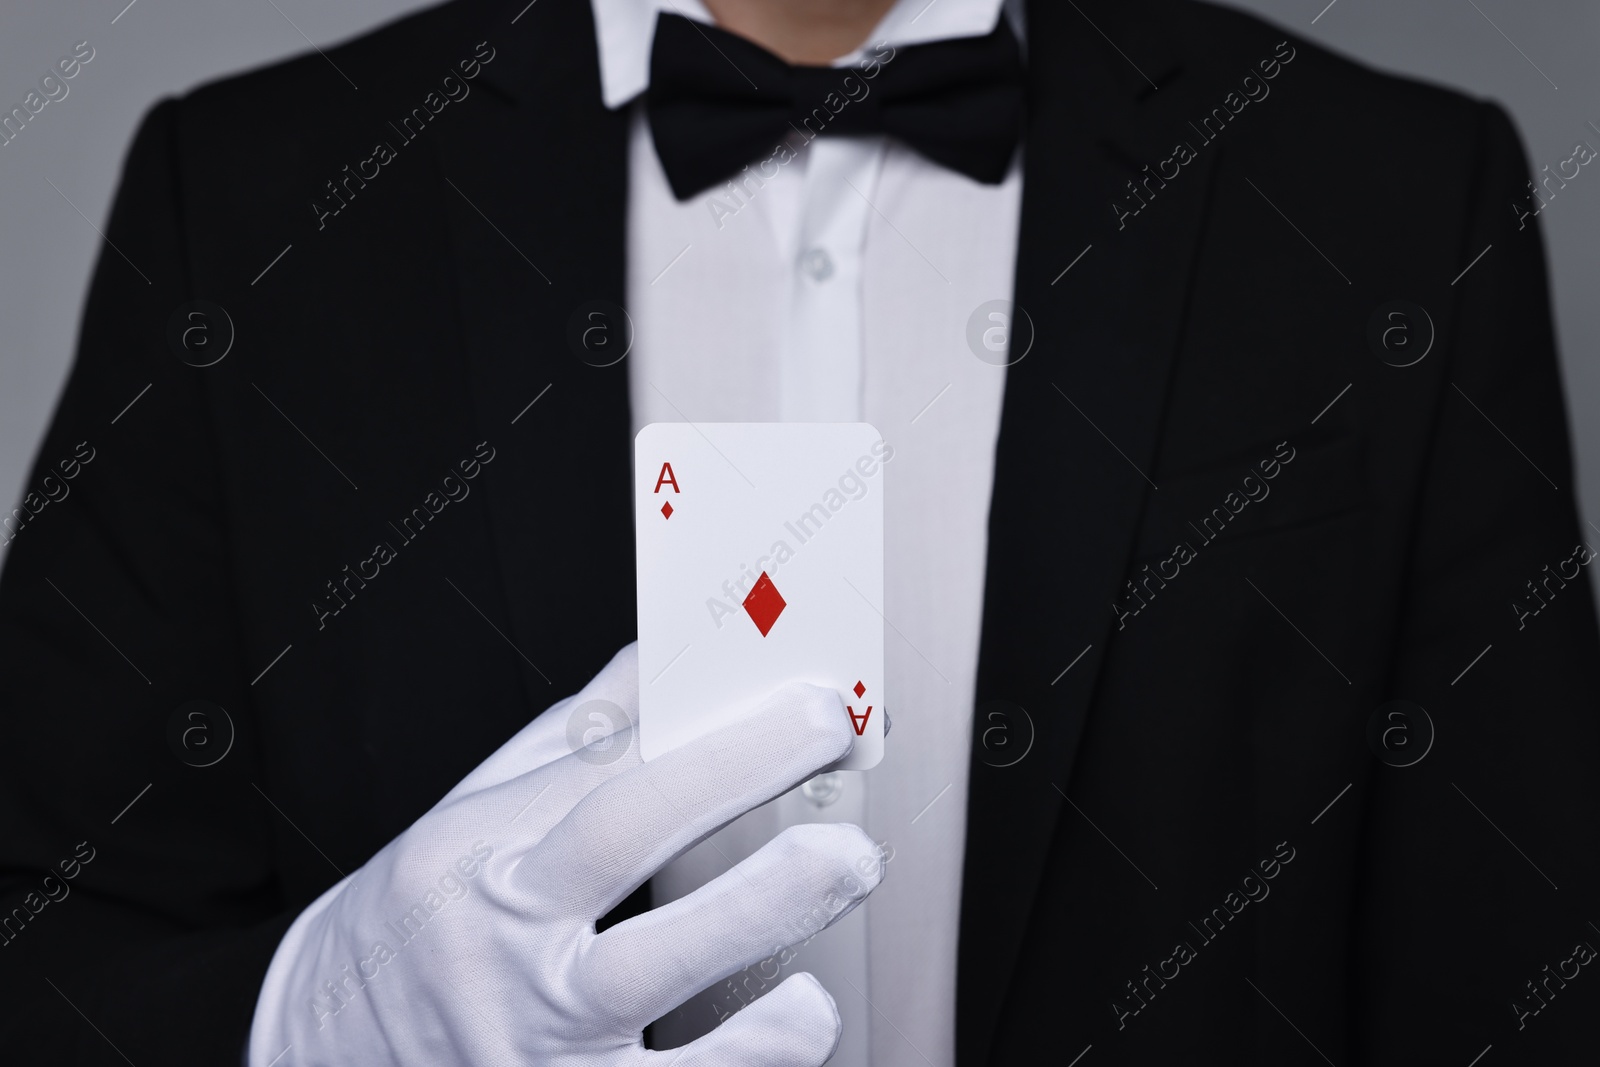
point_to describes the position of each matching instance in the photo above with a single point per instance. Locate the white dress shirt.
(841, 291)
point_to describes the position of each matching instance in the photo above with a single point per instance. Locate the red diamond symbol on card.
(764, 604)
(860, 689)
(666, 509)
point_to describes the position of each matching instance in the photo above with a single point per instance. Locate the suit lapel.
(534, 181)
(1078, 434)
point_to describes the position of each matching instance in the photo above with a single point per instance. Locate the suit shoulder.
(317, 73)
(299, 99)
(242, 143)
(1341, 96)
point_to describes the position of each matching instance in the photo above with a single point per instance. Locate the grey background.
(1538, 63)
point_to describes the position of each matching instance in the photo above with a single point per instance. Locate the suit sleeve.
(1481, 859)
(138, 904)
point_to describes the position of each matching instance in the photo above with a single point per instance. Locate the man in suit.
(1240, 602)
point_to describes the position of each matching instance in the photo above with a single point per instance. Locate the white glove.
(470, 938)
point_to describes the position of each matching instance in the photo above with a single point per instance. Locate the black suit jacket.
(1200, 858)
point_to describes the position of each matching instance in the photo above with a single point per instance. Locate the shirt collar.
(625, 30)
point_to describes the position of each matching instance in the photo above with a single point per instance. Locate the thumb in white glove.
(470, 938)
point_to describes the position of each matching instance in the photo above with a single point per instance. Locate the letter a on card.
(859, 721)
(666, 477)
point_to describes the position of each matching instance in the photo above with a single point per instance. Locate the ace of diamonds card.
(760, 562)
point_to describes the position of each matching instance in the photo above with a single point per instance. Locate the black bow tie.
(717, 102)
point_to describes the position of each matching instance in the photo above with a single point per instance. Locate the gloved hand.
(470, 940)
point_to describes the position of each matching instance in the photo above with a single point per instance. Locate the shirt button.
(817, 263)
(824, 789)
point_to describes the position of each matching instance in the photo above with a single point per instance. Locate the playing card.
(760, 562)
